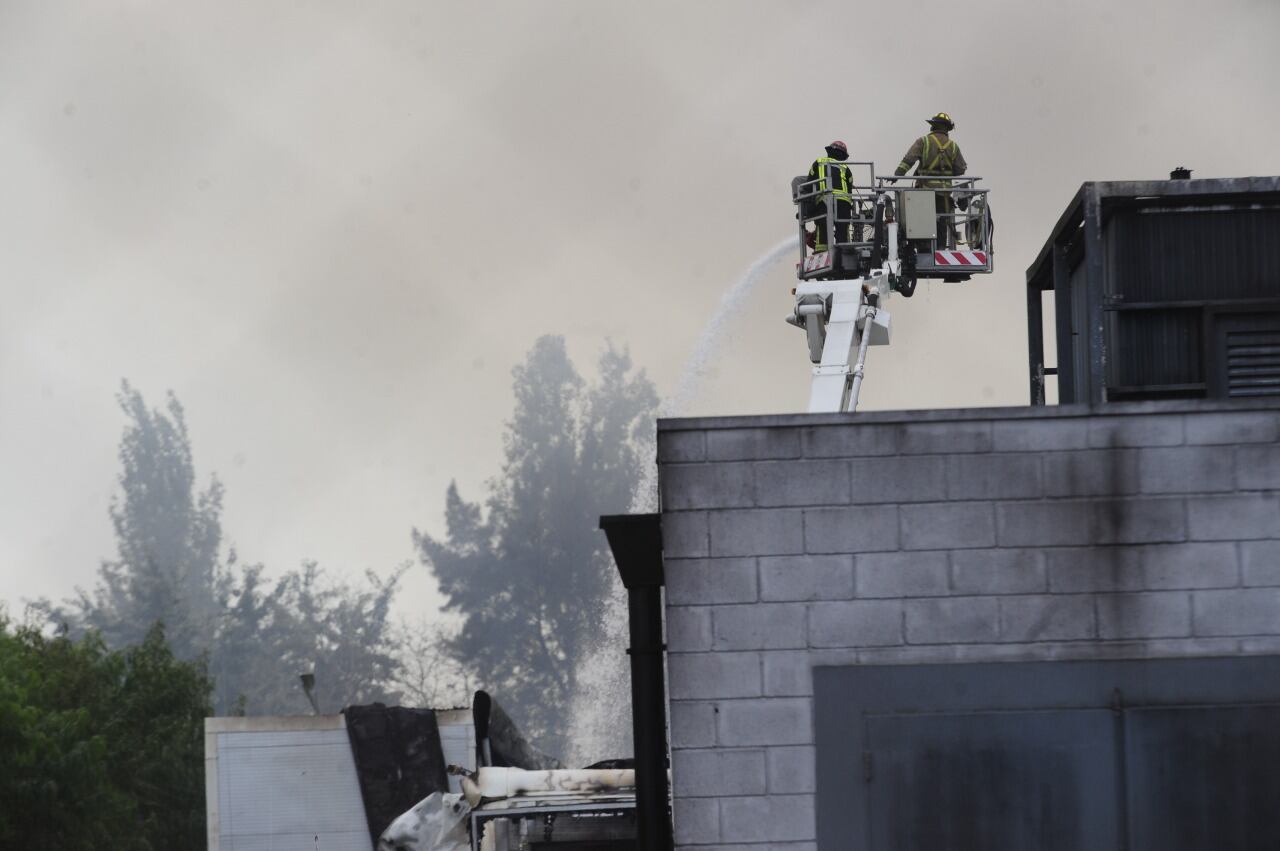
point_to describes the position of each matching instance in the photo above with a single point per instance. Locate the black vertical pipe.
(648, 699)
(636, 541)
(1035, 342)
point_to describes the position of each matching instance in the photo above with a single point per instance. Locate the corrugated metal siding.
(1193, 253)
(1153, 348)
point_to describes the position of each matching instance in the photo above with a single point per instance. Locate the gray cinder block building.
(1041, 627)
(810, 558)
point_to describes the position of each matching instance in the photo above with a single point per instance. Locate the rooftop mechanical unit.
(1165, 289)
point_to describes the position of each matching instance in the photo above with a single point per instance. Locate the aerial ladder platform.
(858, 248)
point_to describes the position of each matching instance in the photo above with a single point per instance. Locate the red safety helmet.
(838, 150)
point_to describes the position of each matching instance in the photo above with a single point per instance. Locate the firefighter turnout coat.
(937, 153)
(832, 174)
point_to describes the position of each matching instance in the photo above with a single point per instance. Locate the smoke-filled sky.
(332, 228)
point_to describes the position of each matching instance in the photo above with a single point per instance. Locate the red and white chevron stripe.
(820, 260)
(960, 258)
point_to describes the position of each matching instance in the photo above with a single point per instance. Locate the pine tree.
(168, 537)
(256, 636)
(528, 571)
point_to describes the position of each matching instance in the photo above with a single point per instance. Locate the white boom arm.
(842, 318)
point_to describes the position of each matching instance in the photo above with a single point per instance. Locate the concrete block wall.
(1122, 531)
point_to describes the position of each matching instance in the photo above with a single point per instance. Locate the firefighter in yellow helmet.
(937, 154)
(832, 175)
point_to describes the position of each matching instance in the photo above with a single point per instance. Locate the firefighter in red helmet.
(833, 176)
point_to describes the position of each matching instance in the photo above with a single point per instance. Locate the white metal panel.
(919, 213)
(458, 743)
(283, 790)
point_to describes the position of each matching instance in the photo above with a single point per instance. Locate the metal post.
(1064, 294)
(1035, 343)
(1095, 313)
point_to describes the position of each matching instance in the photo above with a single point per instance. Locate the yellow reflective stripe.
(932, 167)
(841, 170)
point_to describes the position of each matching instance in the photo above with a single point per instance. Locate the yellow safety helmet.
(942, 118)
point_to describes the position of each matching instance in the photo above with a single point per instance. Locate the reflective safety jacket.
(832, 174)
(937, 153)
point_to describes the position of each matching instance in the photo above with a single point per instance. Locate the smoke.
(601, 708)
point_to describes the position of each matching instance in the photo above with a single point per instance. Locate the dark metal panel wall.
(1042, 780)
(1145, 273)
(1156, 349)
(1200, 776)
(1198, 253)
(1140, 754)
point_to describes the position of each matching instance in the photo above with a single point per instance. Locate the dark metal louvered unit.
(1161, 289)
(1249, 363)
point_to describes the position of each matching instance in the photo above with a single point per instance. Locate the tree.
(168, 537)
(528, 572)
(100, 748)
(430, 675)
(305, 623)
(257, 636)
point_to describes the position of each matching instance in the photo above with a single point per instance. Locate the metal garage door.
(1154, 755)
(1203, 777)
(1039, 780)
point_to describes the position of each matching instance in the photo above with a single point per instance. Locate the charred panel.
(399, 759)
(1043, 780)
(1204, 777)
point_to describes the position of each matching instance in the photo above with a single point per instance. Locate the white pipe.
(489, 783)
(865, 340)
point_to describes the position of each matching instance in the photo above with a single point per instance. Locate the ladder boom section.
(851, 320)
